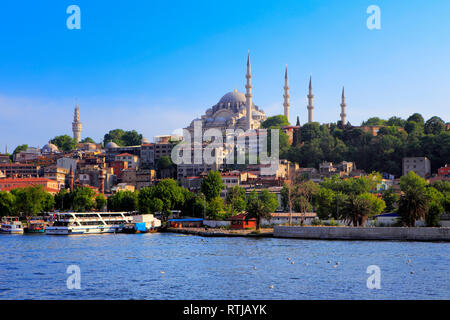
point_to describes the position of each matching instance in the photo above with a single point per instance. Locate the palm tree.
(412, 206)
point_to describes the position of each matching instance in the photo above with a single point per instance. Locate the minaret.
(343, 107)
(71, 179)
(6, 150)
(76, 125)
(310, 101)
(248, 95)
(286, 95)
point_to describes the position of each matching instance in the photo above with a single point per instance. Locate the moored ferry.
(11, 226)
(35, 226)
(67, 223)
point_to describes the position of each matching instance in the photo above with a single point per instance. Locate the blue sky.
(154, 66)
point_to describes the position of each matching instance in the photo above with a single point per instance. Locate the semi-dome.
(111, 145)
(234, 97)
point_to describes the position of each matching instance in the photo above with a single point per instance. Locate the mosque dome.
(111, 145)
(50, 148)
(234, 97)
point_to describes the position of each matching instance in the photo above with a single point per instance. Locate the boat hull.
(81, 230)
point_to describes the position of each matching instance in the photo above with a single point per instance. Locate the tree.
(396, 121)
(212, 185)
(414, 202)
(100, 202)
(88, 140)
(83, 199)
(374, 121)
(303, 197)
(64, 142)
(32, 200)
(22, 147)
(194, 205)
(436, 207)
(391, 199)
(275, 122)
(261, 206)
(167, 195)
(215, 209)
(434, 125)
(64, 200)
(7, 203)
(236, 199)
(123, 138)
(123, 201)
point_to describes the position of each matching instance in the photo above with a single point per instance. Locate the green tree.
(436, 207)
(32, 200)
(215, 209)
(414, 202)
(275, 122)
(260, 206)
(434, 125)
(236, 200)
(64, 142)
(374, 121)
(123, 201)
(123, 138)
(88, 140)
(391, 199)
(100, 202)
(194, 205)
(7, 204)
(83, 199)
(212, 185)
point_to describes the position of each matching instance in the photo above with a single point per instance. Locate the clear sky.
(154, 66)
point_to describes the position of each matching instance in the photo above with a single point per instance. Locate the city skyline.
(155, 76)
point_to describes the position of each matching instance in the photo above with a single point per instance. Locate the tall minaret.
(76, 125)
(286, 94)
(343, 106)
(310, 101)
(248, 94)
(6, 150)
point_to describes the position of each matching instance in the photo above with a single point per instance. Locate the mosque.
(236, 110)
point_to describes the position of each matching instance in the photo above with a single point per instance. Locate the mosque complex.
(233, 110)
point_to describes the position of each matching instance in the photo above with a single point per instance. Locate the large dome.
(234, 97)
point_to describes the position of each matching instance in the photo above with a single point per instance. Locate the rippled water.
(130, 267)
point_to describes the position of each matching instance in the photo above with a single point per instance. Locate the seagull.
(335, 266)
(271, 286)
(162, 272)
(292, 262)
(289, 258)
(411, 272)
(254, 268)
(409, 261)
(337, 263)
(329, 261)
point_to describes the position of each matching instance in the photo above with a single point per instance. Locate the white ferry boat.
(67, 223)
(11, 226)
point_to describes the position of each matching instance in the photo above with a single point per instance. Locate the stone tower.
(248, 95)
(343, 107)
(76, 125)
(286, 94)
(310, 101)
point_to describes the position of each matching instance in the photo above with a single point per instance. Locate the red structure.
(444, 171)
(239, 222)
(118, 167)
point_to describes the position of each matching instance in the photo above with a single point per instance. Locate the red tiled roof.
(124, 154)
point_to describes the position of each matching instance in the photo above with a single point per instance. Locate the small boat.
(142, 224)
(11, 226)
(35, 226)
